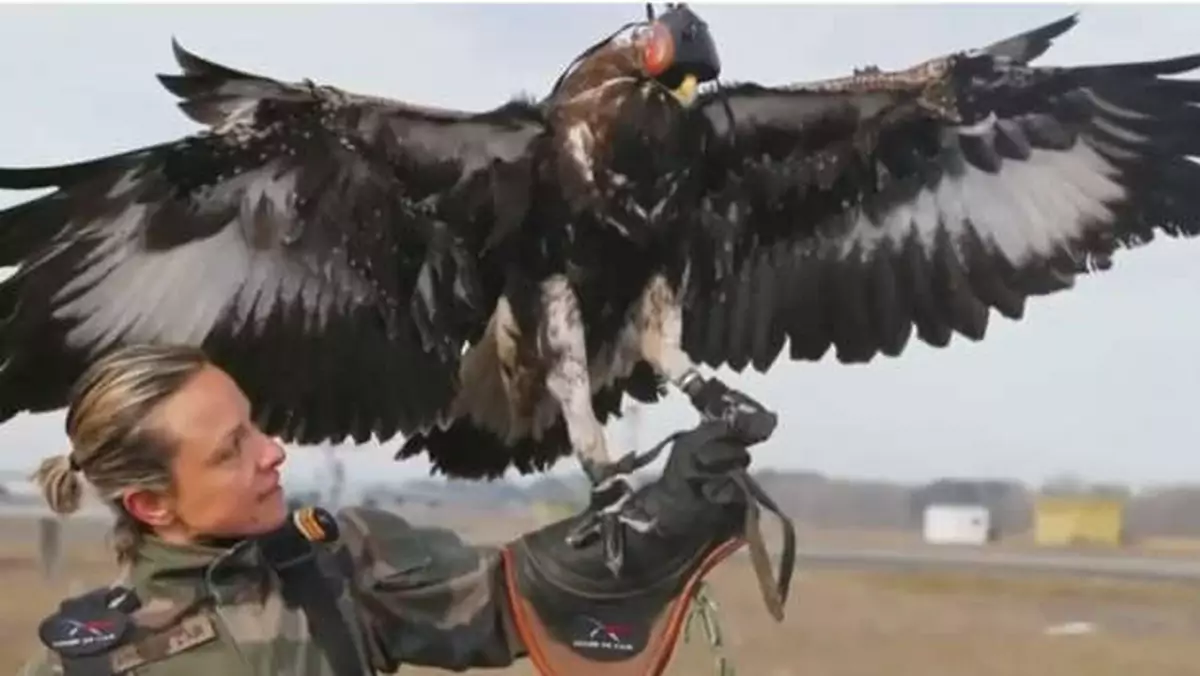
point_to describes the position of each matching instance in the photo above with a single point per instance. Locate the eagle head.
(674, 49)
(677, 50)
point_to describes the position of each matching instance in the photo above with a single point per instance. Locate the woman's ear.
(150, 507)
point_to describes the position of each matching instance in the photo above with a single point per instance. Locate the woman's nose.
(273, 452)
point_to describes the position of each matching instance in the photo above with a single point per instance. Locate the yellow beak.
(686, 91)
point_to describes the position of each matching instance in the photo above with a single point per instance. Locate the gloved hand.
(610, 586)
(714, 400)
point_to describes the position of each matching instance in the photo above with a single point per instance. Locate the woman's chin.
(274, 513)
(270, 515)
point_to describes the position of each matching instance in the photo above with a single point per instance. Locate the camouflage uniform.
(394, 594)
(420, 596)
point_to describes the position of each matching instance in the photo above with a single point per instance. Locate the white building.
(957, 524)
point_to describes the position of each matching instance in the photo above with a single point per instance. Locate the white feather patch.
(1027, 210)
(579, 144)
(122, 291)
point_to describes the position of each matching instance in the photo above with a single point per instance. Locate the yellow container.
(1073, 520)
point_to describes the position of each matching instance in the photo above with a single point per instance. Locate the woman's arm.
(616, 598)
(424, 596)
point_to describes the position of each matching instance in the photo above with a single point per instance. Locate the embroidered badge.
(189, 633)
(83, 631)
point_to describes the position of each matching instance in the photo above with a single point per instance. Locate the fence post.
(50, 546)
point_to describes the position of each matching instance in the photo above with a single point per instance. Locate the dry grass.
(840, 623)
(1181, 545)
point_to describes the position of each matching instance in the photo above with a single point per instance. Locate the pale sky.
(1096, 381)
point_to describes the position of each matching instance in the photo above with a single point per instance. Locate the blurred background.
(1025, 505)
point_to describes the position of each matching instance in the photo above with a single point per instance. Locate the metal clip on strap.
(705, 610)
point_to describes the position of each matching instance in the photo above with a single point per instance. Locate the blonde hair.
(112, 443)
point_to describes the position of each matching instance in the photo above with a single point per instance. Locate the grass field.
(840, 623)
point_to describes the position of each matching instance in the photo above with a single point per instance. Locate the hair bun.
(58, 478)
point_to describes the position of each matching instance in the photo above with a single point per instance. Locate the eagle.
(492, 286)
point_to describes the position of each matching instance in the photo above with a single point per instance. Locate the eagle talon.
(606, 518)
(607, 511)
(604, 475)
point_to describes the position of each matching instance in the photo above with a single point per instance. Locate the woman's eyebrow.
(226, 440)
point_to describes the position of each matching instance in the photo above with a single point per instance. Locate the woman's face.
(226, 471)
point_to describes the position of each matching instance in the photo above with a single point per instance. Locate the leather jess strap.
(774, 595)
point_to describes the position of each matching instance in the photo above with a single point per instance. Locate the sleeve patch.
(189, 633)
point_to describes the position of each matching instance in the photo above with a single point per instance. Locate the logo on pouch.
(610, 639)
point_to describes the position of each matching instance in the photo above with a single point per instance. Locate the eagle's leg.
(659, 325)
(568, 381)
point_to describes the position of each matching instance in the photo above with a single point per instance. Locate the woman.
(219, 578)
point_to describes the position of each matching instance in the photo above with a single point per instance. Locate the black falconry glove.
(606, 591)
(749, 420)
(715, 400)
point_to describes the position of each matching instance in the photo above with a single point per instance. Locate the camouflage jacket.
(416, 596)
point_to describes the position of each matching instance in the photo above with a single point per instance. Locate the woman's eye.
(233, 450)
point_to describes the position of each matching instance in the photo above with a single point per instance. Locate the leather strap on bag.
(616, 639)
(571, 625)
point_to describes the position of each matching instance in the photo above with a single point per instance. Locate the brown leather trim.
(544, 653)
(682, 601)
(517, 606)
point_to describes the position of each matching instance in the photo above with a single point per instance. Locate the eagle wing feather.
(849, 213)
(329, 249)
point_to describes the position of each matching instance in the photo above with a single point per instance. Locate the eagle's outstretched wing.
(845, 213)
(329, 249)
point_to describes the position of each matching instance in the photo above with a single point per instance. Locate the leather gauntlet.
(576, 615)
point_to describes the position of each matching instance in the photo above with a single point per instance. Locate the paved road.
(924, 558)
(1110, 565)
